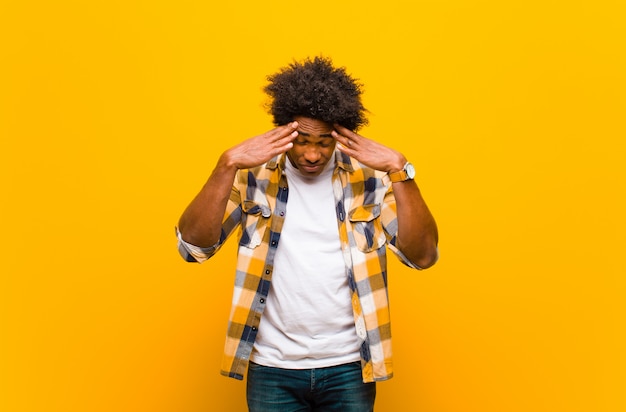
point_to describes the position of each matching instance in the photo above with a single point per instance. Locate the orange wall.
(113, 113)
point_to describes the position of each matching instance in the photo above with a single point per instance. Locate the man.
(316, 206)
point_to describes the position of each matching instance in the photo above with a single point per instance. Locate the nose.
(312, 154)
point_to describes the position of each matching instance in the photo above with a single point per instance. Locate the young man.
(317, 205)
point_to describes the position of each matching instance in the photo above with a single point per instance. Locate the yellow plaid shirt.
(367, 222)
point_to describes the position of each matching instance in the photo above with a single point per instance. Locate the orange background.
(112, 115)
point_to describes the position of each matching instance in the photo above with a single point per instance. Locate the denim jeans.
(336, 388)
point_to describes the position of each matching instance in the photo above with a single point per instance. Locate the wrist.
(398, 164)
(407, 172)
(226, 162)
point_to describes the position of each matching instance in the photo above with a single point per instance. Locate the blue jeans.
(337, 388)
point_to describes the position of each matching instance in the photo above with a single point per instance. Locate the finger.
(289, 128)
(344, 142)
(339, 127)
(344, 131)
(280, 132)
(274, 151)
(286, 141)
(286, 136)
(339, 137)
(352, 138)
(347, 150)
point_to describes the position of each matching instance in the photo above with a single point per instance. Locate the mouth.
(311, 168)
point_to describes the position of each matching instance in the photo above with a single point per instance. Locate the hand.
(259, 149)
(368, 152)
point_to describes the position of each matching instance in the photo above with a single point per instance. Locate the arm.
(417, 230)
(201, 222)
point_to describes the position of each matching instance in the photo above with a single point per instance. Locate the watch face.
(410, 171)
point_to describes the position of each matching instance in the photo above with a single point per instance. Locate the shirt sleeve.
(232, 219)
(193, 253)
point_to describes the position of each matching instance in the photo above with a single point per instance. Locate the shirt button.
(267, 271)
(282, 213)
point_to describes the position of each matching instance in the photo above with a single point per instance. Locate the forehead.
(313, 127)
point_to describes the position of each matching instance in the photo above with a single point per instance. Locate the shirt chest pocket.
(367, 229)
(254, 221)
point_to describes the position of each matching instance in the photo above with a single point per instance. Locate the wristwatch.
(407, 173)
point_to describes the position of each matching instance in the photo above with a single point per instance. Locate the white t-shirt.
(308, 320)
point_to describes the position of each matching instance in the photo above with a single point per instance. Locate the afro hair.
(315, 88)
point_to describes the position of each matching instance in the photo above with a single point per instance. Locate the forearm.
(417, 230)
(201, 222)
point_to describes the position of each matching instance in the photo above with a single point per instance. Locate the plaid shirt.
(366, 220)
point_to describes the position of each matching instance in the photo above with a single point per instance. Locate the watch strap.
(399, 176)
(406, 173)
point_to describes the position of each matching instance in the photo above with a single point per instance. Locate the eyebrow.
(321, 135)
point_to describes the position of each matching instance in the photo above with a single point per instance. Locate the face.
(314, 146)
